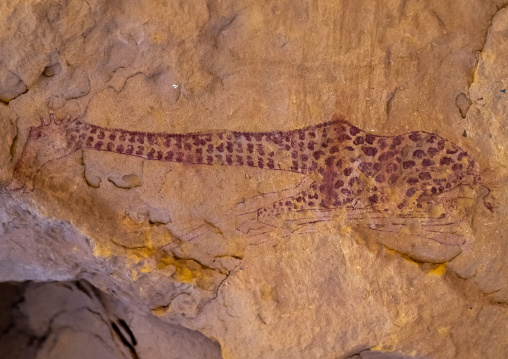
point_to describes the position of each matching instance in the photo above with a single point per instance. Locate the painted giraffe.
(366, 174)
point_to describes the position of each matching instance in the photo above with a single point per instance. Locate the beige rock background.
(114, 222)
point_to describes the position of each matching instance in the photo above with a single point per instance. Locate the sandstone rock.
(176, 251)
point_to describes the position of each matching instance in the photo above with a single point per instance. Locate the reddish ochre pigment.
(351, 168)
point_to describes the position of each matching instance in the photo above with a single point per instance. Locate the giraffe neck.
(289, 151)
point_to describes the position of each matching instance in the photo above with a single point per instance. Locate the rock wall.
(179, 248)
(76, 320)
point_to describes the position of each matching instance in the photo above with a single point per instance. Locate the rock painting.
(380, 182)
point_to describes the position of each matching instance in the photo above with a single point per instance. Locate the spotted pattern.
(355, 168)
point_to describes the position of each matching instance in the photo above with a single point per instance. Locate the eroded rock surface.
(165, 241)
(76, 320)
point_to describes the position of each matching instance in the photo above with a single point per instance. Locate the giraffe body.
(352, 165)
(350, 168)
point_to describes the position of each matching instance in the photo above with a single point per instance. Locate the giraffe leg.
(252, 204)
(287, 215)
(244, 215)
(444, 230)
(260, 228)
(421, 234)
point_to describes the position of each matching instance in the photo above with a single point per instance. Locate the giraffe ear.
(43, 121)
(52, 118)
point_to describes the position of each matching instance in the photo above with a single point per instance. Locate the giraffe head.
(468, 174)
(47, 142)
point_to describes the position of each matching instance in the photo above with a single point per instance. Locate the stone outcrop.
(76, 320)
(158, 259)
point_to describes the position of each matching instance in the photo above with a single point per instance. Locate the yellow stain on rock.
(134, 254)
(160, 311)
(383, 347)
(185, 275)
(438, 269)
(183, 270)
(100, 250)
(150, 240)
(146, 268)
(345, 230)
(226, 352)
(186, 271)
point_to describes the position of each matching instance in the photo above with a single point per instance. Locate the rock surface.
(119, 225)
(76, 320)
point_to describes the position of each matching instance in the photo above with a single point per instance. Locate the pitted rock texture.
(180, 245)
